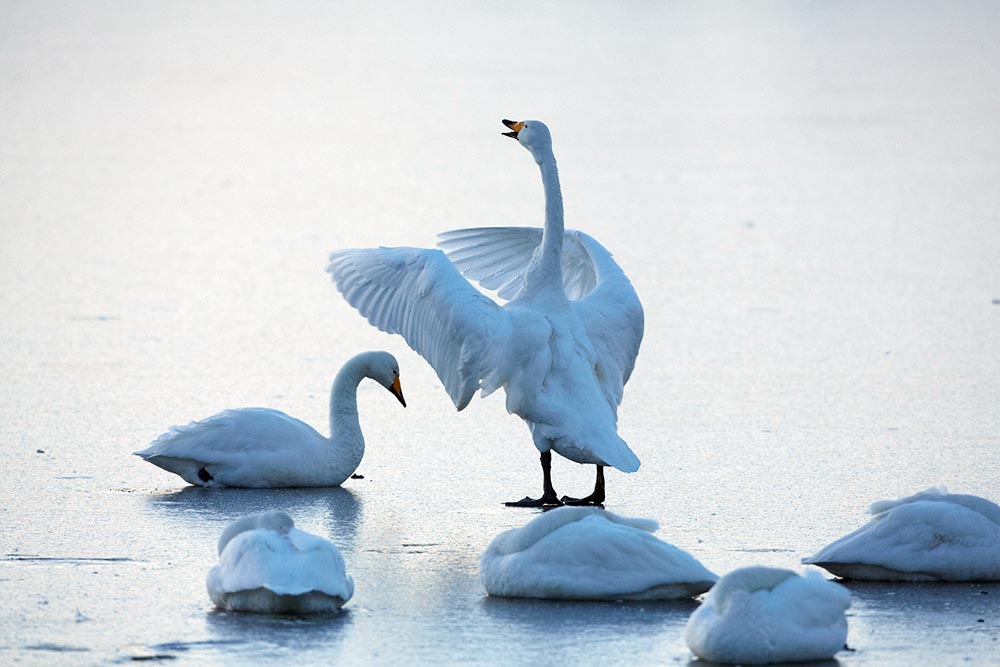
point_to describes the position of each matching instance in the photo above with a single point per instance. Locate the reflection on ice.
(230, 626)
(913, 599)
(314, 630)
(338, 509)
(273, 637)
(832, 662)
(547, 616)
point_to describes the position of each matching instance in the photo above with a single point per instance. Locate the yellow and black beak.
(516, 126)
(397, 391)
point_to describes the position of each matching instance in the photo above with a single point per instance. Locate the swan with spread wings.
(563, 346)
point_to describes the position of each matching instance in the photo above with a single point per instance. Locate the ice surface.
(804, 195)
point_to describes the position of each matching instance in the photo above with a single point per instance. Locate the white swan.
(563, 347)
(757, 615)
(264, 448)
(585, 553)
(267, 566)
(929, 536)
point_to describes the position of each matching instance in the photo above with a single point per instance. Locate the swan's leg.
(549, 497)
(596, 498)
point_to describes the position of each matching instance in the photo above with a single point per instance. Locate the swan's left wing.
(421, 296)
(613, 317)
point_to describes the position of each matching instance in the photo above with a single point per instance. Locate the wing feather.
(495, 257)
(498, 258)
(613, 317)
(421, 296)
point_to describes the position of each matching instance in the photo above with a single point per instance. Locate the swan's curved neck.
(345, 429)
(545, 273)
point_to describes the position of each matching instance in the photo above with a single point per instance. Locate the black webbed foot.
(545, 501)
(595, 499)
(549, 497)
(592, 500)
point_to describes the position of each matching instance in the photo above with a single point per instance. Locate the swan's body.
(584, 553)
(929, 536)
(563, 347)
(264, 448)
(757, 615)
(267, 566)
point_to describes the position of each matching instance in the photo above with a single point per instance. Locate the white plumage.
(929, 536)
(563, 347)
(757, 615)
(268, 566)
(498, 258)
(262, 448)
(584, 553)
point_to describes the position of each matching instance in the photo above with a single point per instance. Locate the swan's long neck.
(545, 273)
(345, 430)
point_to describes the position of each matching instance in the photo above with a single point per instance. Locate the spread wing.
(498, 257)
(613, 316)
(421, 296)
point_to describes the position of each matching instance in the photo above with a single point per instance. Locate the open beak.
(515, 126)
(397, 391)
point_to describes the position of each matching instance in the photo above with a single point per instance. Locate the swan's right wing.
(495, 257)
(421, 296)
(498, 258)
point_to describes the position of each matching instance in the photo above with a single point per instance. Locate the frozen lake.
(806, 196)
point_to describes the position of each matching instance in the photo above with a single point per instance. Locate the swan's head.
(384, 369)
(533, 135)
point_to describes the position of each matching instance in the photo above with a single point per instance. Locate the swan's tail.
(191, 471)
(609, 450)
(622, 457)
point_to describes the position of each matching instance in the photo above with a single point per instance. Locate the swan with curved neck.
(544, 274)
(265, 448)
(563, 346)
